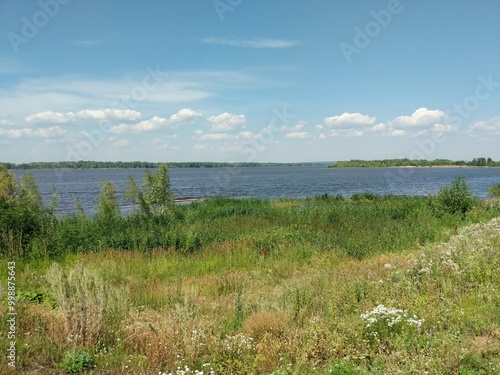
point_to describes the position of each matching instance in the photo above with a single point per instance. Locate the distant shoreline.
(416, 163)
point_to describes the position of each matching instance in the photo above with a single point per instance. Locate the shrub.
(494, 190)
(92, 308)
(456, 198)
(77, 360)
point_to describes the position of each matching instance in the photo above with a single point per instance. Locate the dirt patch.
(488, 342)
(492, 201)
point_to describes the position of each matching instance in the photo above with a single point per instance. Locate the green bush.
(494, 190)
(456, 198)
(77, 360)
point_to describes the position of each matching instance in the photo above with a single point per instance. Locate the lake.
(262, 182)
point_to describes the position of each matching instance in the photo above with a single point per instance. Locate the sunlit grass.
(279, 287)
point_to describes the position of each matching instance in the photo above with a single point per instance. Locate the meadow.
(324, 285)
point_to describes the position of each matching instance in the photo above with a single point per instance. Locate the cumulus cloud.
(162, 144)
(226, 122)
(185, 115)
(53, 131)
(154, 123)
(298, 135)
(349, 119)
(109, 114)
(489, 127)
(295, 128)
(86, 114)
(214, 136)
(421, 116)
(346, 133)
(51, 117)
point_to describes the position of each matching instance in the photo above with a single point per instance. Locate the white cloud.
(53, 131)
(252, 43)
(227, 122)
(118, 129)
(421, 116)
(154, 123)
(6, 123)
(246, 135)
(396, 133)
(185, 115)
(215, 137)
(388, 130)
(162, 144)
(346, 133)
(109, 114)
(421, 133)
(443, 128)
(298, 135)
(349, 119)
(322, 136)
(381, 127)
(86, 114)
(319, 127)
(295, 128)
(51, 117)
(489, 127)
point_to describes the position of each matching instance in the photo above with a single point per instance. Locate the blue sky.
(241, 80)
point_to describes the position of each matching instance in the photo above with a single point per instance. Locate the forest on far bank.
(89, 164)
(386, 163)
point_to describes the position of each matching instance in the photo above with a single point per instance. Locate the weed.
(77, 360)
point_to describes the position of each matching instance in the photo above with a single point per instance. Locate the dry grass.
(88, 304)
(269, 323)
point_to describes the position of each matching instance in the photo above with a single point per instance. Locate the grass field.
(326, 285)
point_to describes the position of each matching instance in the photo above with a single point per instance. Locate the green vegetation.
(324, 285)
(387, 163)
(141, 164)
(77, 360)
(494, 190)
(456, 198)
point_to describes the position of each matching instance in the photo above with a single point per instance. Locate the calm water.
(263, 182)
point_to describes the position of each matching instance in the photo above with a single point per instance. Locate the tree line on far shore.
(354, 163)
(88, 164)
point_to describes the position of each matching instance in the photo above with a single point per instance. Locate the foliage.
(300, 307)
(77, 360)
(456, 198)
(155, 195)
(156, 190)
(387, 163)
(494, 190)
(8, 184)
(89, 164)
(108, 203)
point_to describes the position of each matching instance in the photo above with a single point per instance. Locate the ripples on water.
(263, 182)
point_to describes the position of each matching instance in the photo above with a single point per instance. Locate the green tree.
(108, 203)
(157, 192)
(28, 192)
